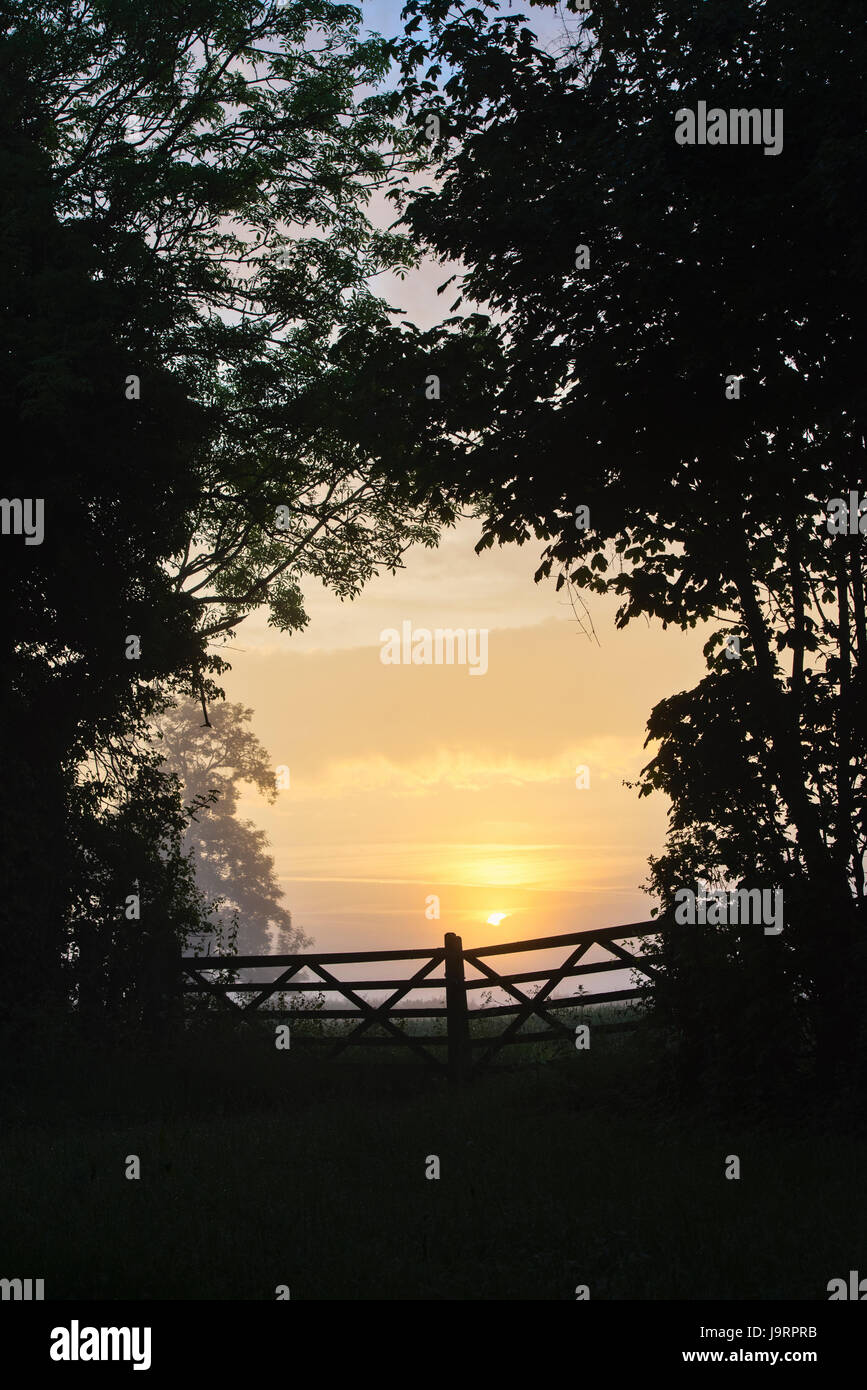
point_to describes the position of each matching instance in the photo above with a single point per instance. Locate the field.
(559, 1168)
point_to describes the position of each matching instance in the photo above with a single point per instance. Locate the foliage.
(185, 237)
(704, 263)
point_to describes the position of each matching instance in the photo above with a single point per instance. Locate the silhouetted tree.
(706, 502)
(184, 235)
(137, 905)
(116, 490)
(218, 159)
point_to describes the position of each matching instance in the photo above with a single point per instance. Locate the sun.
(496, 918)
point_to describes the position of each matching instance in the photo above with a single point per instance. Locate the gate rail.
(453, 957)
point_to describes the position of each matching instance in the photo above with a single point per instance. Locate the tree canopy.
(681, 340)
(187, 239)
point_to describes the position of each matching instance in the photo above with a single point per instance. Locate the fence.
(453, 957)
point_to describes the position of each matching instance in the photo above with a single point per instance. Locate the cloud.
(461, 769)
(426, 775)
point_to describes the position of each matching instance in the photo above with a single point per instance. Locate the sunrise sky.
(412, 780)
(419, 780)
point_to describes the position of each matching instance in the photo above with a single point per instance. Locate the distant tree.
(232, 867)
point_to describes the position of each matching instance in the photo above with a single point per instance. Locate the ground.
(262, 1168)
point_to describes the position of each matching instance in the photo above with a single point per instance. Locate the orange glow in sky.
(413, 782)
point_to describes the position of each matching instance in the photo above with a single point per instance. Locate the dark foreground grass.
(262, 1168)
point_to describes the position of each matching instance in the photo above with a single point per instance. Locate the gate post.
(456, 1006)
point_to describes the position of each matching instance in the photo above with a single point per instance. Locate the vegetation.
(610, 388)
(211, 402)
(185, 241)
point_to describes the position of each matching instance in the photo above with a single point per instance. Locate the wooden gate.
(465, 1053)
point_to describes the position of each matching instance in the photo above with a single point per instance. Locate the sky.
(414, 782)
(407, 781)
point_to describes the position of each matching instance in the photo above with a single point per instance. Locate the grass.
(262, 1168)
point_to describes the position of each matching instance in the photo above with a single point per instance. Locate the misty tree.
(233, 868)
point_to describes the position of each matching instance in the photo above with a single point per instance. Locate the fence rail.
(453, 957)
